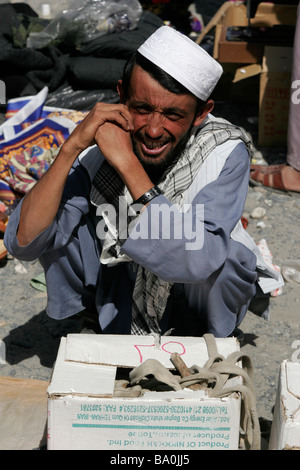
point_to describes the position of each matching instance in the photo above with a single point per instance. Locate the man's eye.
(142, 110)
(173, 116)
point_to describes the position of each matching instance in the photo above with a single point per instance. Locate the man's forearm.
(41, 204)
(135, 177)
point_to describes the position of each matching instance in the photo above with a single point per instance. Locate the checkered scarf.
(150, 294)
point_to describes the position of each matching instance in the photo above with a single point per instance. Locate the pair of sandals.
(269, 177)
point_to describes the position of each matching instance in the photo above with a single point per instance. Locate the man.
(137, 220)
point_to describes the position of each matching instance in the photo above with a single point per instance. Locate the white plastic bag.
(291, 270)
(87, 20)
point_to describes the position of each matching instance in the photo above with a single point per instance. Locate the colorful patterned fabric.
(6, 194)
(21, 113)
(45, 133)
(16, 104)
(27, 167)
(30, 138)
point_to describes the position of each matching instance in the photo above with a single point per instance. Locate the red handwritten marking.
(174, 342)
(137, 346)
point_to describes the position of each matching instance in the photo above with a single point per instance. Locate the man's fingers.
(84, 134)
(113, 113)
(123, 119)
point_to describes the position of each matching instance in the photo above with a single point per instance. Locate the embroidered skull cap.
(183, 59)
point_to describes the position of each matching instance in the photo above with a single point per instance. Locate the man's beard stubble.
(157, 170)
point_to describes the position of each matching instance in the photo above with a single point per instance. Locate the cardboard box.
(84, 414)
(271, 64)
(267, 14)
(285, 431)
(23, 413)
(240, 52)
(274, 96)
(235, 14)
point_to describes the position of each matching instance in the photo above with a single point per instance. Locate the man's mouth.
(151, 147)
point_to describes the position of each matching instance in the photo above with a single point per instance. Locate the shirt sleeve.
(191, 246)
(73, 205)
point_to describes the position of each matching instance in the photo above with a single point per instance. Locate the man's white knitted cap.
(183, 59)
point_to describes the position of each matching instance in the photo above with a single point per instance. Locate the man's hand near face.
(107, 125)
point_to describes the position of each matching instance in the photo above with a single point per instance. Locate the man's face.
(162, 120)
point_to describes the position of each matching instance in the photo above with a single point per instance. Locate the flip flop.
(3, 250)
(271, 179)
(3, 217)
(2, 226)
(266, 168)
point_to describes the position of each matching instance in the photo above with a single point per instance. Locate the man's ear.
(120, 91)
(208, 107)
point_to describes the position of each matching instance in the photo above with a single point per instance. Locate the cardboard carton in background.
(274, 93)
(274, 99)
(256, 63)
(235, 14)
(285, 432)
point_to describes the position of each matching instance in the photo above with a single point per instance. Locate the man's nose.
(154, 127)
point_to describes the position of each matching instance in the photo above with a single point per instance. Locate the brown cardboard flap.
(267, 14)
(246, 72)
(23, 413)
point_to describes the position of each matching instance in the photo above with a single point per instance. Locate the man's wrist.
(135, 177)
(69, 151)
(148, 195)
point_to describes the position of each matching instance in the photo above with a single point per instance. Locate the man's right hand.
(83, 135)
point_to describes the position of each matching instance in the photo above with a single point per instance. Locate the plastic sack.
(80, 100)
(291, 270)
(87, 20)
